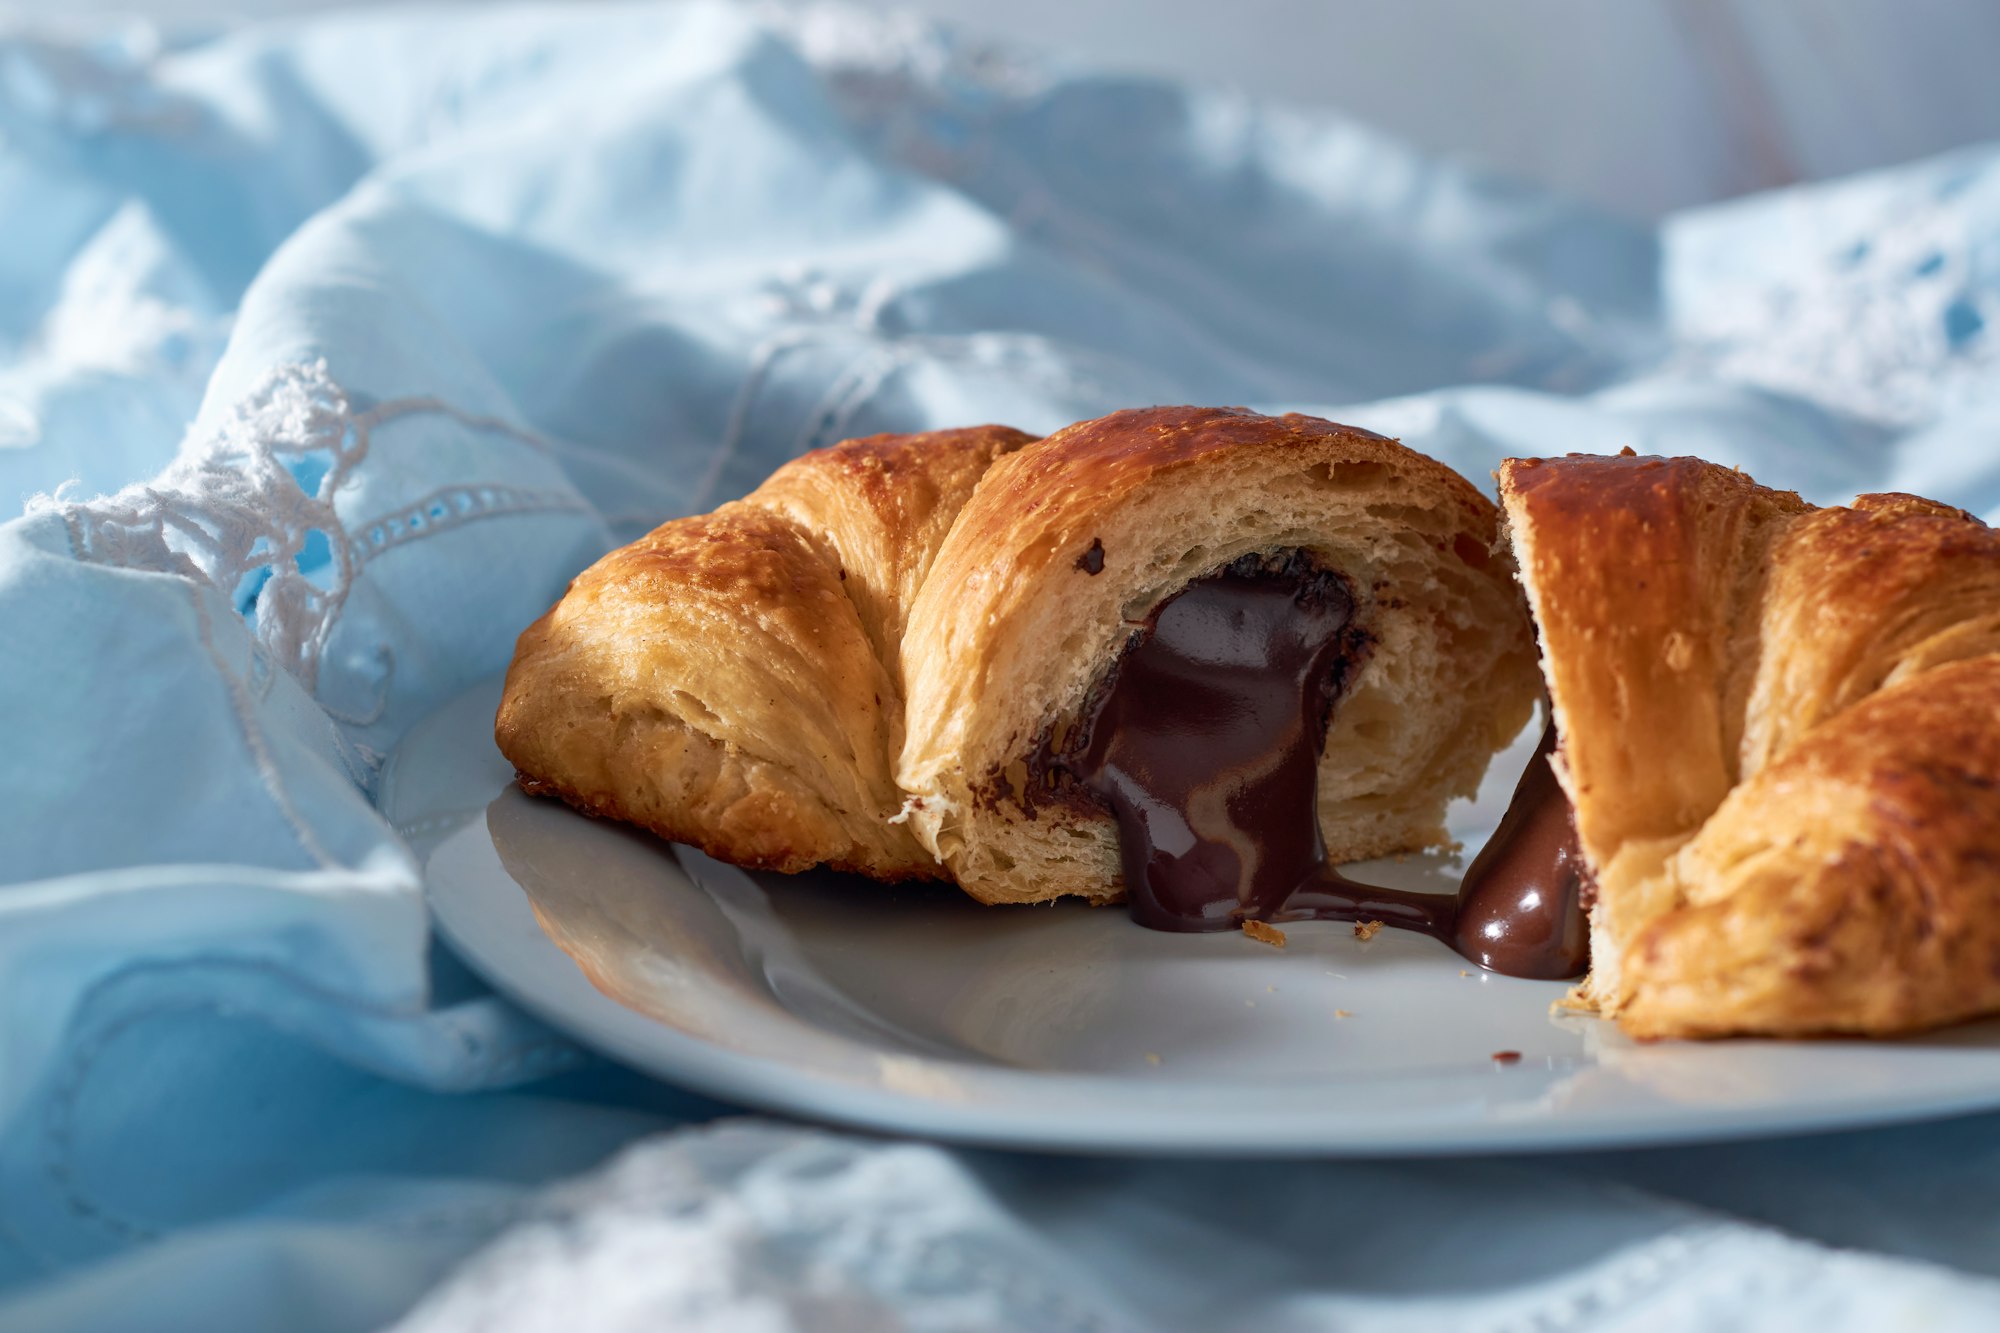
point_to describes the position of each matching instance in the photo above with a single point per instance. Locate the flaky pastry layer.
(1780, 729)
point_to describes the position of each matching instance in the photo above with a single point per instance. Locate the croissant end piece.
(1780, 730)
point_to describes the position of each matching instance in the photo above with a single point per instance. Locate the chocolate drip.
(1204, 741)
(1521, 907)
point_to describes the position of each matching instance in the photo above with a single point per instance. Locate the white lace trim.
(245, 503)
(231, 506)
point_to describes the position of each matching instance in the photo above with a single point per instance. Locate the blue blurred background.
(1641, 106)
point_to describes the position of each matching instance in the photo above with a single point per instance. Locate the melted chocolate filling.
(1204, 741)
(1521, 909)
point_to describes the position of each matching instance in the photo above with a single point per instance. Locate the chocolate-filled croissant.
(1780, 730)
(890, 657)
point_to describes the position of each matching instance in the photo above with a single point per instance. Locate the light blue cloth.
(457, 299)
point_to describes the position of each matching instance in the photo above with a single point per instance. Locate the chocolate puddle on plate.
(1204, 740)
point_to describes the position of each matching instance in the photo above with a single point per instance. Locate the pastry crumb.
(1264, 933)
(1342, 1013)
(1152, 1057)
(1463, 973)
(1365, 930)
(1573, 1001)
(1506, 1057)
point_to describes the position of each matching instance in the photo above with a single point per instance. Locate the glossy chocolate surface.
(1521, 908)
(1204, 741)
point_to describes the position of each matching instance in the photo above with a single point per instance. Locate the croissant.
(1779, 729)
(896, 656)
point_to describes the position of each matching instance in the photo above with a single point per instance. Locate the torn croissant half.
(865, 663)
(1779, 727)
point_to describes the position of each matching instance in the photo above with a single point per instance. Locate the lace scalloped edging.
(249, 509)
(237, 504)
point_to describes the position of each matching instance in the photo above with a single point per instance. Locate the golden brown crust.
(1709, 645)
(1851, 886)
(882, 505)
(1865, 596)
(1635, 570)
(723, 680)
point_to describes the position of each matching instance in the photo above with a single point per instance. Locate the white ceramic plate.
(918, 1011)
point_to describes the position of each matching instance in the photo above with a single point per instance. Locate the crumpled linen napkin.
(457, 299)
